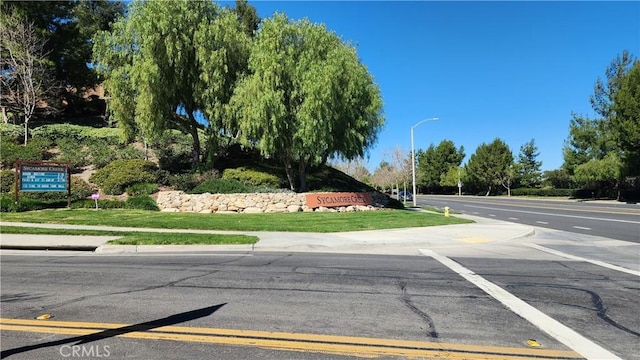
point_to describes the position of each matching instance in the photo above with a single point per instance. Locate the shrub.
(7, 181)
(7, 204)
(138, 203)
(55, 132)
(73, 152)
(142, 189)
(11, 133)
(102, 204)
(129, 152)
(208, 175)
(100, 153)
(119, 174)
(188, 181)
(112, 136)
(174, 151)
(141, 203)
(395, 204)
(221, 186)
(630, 194)
(183, 182)
(80, 189)
(35, 150)
(541, 192)
(252, 177)
(597, 193)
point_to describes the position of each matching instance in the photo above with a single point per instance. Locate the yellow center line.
(340, 345)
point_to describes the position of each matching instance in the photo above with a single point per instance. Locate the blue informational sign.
(43, 178)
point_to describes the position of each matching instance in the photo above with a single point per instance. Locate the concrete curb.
(50, 247)
(134, 249)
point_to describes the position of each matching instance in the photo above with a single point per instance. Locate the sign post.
(41, 176)
(95, 198)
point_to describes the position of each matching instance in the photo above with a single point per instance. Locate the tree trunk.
(488, 191)
(288, 169)
(26, 129)
(303, 176)
(193, 129)
(195, 159)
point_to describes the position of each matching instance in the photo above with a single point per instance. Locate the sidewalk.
(392, 241)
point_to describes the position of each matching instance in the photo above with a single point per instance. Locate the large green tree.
(588, 139)
(530, 175)
(436, 161)
(625, 122)
(248, 16)
(67, 28)
(452, 179)
(558, 179)
(616, 130)
(173, 64)
(307, 98)
(490, 166)
(598, 173)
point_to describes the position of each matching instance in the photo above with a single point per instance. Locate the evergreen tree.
(530, 175)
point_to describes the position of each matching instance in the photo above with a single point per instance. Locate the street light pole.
(413, 157)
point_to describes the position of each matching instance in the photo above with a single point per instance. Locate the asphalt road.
(611, 220)
(313, 306)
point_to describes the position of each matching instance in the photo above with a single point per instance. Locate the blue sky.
(513, 70)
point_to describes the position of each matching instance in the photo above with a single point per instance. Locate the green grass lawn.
(142, 238)
(299, 222)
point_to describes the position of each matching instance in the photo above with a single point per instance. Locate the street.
(314, 306)
(611, 220)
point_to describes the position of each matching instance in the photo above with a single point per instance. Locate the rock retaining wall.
(254, 203)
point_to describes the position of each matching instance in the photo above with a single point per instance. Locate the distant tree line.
(601, 155)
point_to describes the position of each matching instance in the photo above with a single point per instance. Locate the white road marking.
(542, 222)
(474, 213)
(595, 262)
(581, 228)
(492, 215)
(556, 329)
(512, 218)
(551, 214)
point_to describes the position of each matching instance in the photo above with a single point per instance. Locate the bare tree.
(354, 168)
(384, 176)
(23, 69)
(402, 165)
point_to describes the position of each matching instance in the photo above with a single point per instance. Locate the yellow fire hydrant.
(446, 211)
